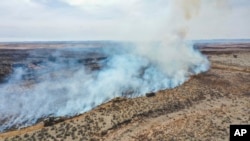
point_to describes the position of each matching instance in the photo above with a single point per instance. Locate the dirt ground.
(202, 108)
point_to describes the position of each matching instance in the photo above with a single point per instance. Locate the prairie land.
(202, 108)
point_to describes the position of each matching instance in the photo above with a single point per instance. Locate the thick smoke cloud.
(66, 88)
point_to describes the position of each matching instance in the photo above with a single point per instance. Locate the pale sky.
(42, 20)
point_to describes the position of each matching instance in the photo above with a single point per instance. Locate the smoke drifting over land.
(66, 87)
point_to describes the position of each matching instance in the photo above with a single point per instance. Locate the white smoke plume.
(66, 88)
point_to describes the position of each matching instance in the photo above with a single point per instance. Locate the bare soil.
(202, 108)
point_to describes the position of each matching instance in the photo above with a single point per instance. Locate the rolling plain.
(202, 108)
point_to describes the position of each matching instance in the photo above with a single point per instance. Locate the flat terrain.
(200, 109)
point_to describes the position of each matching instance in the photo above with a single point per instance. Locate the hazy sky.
(25, 20)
